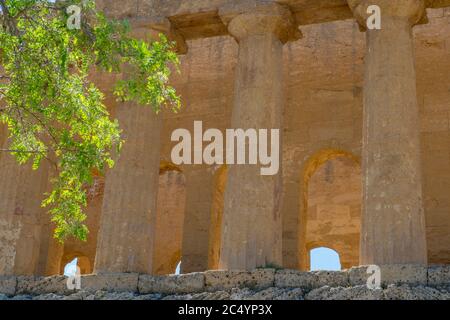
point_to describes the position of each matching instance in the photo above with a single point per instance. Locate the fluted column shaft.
(23, 222)
(393, 222)
(126, 234)
(252, 230)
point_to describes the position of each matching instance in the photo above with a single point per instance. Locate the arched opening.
(169, 219)
(70, 268)
(332, 199)
(73, 247)
(70, 264)
(324, 259)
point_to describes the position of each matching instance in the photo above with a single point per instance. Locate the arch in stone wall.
(331, 206)
(83, 262)
(72, 247)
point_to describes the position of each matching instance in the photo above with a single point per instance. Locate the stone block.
(171, 284)
(331, 279)
(391, 274)
(8, 285)
(35, 285)
(123, 282)
(294, 279)
(226, 280)
(117, 282)
(311, 280)
(339, 293)
(439, 275)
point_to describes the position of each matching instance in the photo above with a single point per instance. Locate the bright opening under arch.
(331, 211)
(324, 259)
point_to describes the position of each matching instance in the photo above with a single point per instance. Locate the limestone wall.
(322, 121)
(324, 73)
(397, 282)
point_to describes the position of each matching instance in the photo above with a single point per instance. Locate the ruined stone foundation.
(398, 282)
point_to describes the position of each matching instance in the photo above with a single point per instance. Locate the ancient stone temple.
(364, 117)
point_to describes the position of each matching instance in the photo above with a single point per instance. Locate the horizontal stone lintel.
(195, 19)
(209, 281)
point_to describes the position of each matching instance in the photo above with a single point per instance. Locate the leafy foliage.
(51, 108)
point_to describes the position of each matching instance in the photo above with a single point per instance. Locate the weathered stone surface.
(404, 274)
(393, 292)
(391, 274)
(339, 293)
(124, 282)
(252, 234)
(8, 285)
(267, 294)
(331, 278)
(324, 110)
(414, 293)
(225, 280)
(127, 228)
(121, 282)
(218, 295)
(42, 285)
(393, 219)
(311, 280)
(171, 284)
(439, 275)
(197, 219)
(294, 279)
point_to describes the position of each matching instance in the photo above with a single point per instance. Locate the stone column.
(393, 222)
(252, 230)
(22, 218)
(125, 238)
(199, 192)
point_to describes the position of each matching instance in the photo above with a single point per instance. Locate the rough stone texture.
(111, 282)
(323, 114)
(252, 234)
(339, 293)
(393, 292)
(415, 293)
(310, 280)
(126, 234)
(267, 294)
(8, 285)
(294, 278)
(218, 285)
(333, 198)
(215, 228)
(24, 224)
(169, 219)
(199, 181)
(42, 285)
(198, 18)
(192, 282)
(225, 280)
(325, 293)
(393, 220)
(439, 275)
(391, 274)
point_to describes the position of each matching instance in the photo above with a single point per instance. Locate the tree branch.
(8, 19)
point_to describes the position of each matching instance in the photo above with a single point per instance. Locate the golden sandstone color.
(364, 117)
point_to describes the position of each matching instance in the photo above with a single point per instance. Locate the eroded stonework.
(356, 177)
(263, 284)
